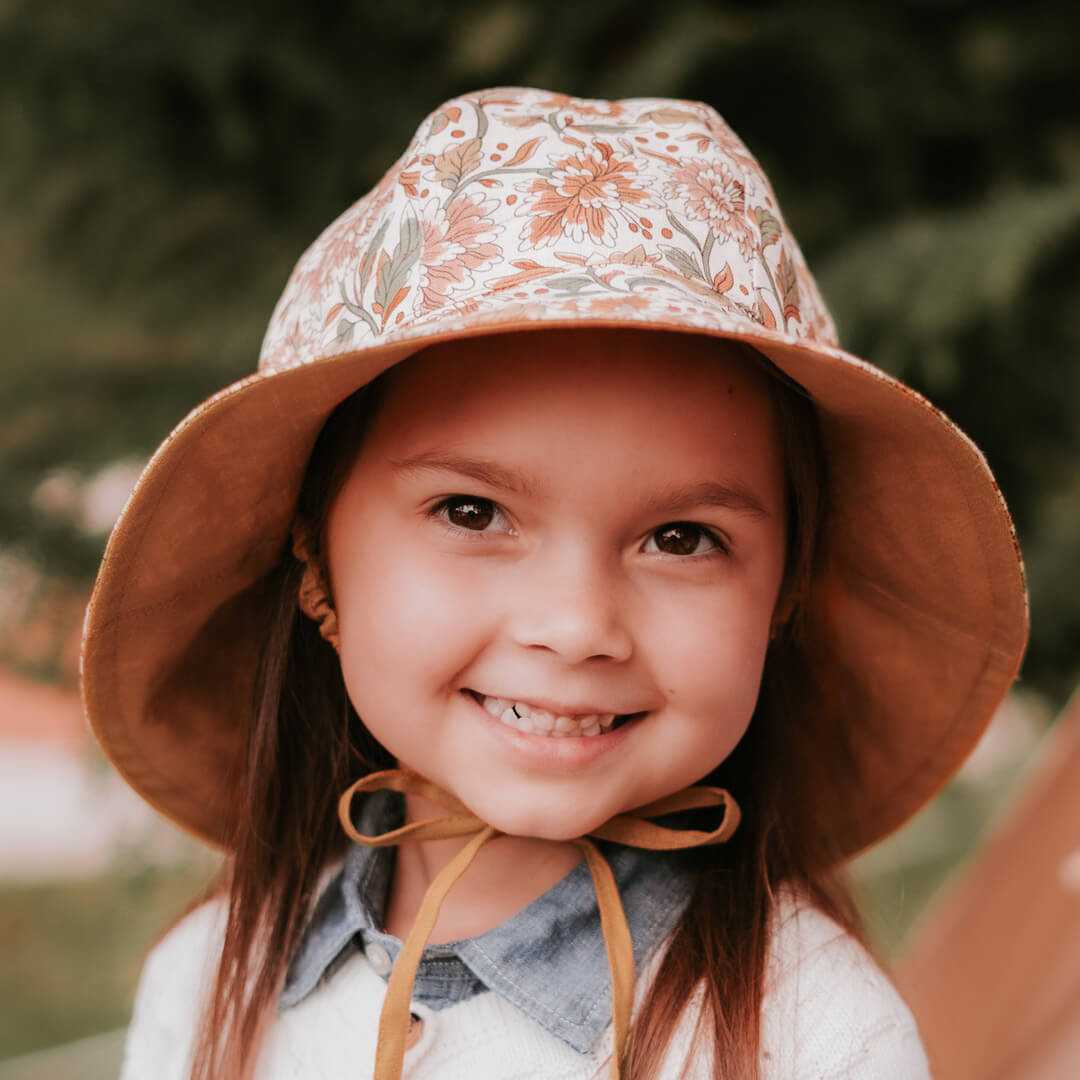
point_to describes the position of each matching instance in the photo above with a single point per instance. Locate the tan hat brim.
(924, 590)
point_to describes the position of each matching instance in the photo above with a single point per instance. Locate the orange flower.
(581, 106)
(713, 195)
(580, 200)
(457, 240)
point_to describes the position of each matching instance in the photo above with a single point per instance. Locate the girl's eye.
(683, 538)
(472, 513)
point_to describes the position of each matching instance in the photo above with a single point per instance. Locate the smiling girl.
(541, 629)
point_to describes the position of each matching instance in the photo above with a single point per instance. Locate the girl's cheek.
(394, 601)
(712, 644)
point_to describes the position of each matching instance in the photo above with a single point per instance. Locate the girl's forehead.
(548, 373)
(573, 410)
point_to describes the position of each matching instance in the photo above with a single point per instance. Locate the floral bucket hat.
(521, 210)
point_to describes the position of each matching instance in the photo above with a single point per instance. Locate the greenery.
(97, 1057)
(73, 950)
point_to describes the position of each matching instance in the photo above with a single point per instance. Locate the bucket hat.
(522, 210)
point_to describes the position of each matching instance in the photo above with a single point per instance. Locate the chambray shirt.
(549, 960)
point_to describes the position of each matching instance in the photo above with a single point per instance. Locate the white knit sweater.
(829, 1014)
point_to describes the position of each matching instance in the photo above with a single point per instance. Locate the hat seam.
(907, 605)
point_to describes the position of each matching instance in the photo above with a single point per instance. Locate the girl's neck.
(508, 873)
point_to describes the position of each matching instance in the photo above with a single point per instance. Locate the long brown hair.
(777, 774)
(306, 744)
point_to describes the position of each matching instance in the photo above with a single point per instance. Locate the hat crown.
(517, 204)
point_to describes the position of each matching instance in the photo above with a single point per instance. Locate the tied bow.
(632, 829)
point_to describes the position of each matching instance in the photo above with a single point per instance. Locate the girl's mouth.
(533, 720)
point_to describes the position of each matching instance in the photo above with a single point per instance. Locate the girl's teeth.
(543, 721)
(512, 719)
(523, 717)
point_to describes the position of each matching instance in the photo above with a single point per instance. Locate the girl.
(556, 588)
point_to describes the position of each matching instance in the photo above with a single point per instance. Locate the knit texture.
(829, 1012)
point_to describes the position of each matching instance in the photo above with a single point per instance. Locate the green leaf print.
(410, 242)
(768, 224)
(369, 257)
(682, 262)
(481, 119)
(571, 284)
(789, 283)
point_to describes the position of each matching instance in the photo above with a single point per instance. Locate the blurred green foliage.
(97, 1057)
(163, 166)
(73, 950)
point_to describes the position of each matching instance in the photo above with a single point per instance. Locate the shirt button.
(416, 1029)
(378, 958)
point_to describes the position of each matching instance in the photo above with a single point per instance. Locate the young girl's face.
(588, 523)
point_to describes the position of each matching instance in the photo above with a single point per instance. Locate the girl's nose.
(573, 610)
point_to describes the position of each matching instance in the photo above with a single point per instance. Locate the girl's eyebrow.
(728, 496)
(731, 496)
(485, 472)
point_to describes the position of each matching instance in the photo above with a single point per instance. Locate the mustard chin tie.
(631, 829)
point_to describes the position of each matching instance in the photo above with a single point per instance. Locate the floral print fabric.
(519, 206)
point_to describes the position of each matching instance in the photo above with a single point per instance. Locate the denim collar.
(548, 960)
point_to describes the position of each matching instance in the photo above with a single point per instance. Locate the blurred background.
(162, 167)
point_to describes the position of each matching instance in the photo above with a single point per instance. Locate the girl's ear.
(781, 616)
(314, 595)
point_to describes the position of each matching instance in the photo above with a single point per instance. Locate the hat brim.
(923, 582)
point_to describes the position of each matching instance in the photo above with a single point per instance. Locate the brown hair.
(721, 943)
(286, 831)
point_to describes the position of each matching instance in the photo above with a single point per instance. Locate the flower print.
(635, 256)
(671, 116)
(342, 243)
(580, 199)
(584, 107)
(711, 194)
(621, 304)
(457, 161)
(294, 335)
(457, 239)
(731, 145)
(788, 281)
(817, 322)
(338, 251)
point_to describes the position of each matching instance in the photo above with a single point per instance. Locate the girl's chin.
(529, 824)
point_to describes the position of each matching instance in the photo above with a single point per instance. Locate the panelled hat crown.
(516, 210)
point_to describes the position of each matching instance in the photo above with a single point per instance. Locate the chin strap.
(632, 829)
